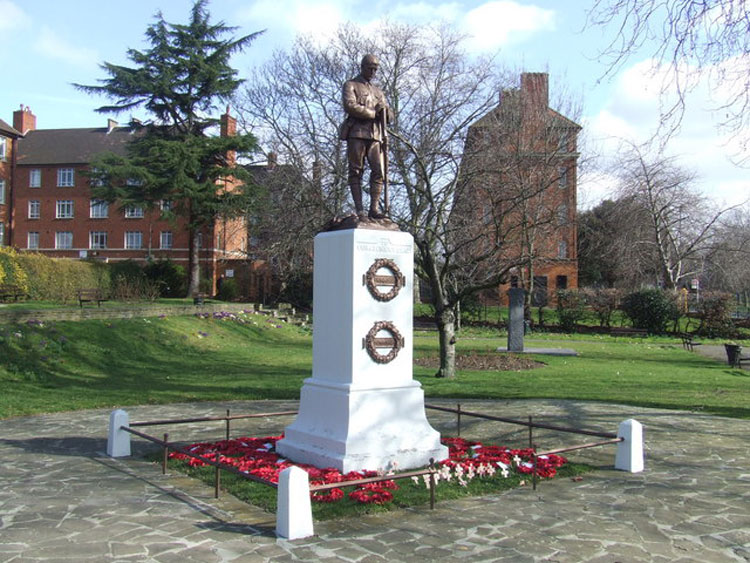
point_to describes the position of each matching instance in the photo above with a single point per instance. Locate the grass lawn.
(110, 363)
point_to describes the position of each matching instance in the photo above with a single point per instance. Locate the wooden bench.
(8, 290)
(688, 342)
(91, 296)
(627, 331)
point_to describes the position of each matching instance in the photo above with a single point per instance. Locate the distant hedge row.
(59, 279)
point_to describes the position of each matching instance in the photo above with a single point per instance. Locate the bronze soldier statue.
(364, 132)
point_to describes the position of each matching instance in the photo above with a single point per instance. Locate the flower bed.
(468, 460)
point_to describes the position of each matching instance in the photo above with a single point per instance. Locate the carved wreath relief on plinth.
(374, 279)
(393, 343)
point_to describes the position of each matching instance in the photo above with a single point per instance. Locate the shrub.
(11, 271)
(715, 313)
(570, 308)
(59, 279)
(604, 302)
(298, 290)
(170, 278)
(130, 283)
(228, 290)
(650, 309)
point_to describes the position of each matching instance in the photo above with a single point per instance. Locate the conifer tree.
(181, 80)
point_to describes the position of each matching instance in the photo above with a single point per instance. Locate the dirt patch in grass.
(484, 362)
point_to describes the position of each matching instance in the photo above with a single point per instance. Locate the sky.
(47, 45)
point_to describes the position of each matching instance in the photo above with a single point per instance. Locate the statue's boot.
(356, 190)
(375, 212)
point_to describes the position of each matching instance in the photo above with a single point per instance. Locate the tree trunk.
(195, 266)
(446, 323)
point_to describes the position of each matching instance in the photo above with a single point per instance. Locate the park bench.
(8, 290)
(688, 341)
(90, 296)
(627, 331)
(200, 298)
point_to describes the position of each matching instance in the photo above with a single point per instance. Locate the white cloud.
(53, 46)
(291, 17)
(633, 113)
(498, 23)
(12, 17)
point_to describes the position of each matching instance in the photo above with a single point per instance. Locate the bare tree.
(728, 265)
(692, 40)
(670, 221)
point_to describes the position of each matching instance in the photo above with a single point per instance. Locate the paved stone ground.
(62, 499)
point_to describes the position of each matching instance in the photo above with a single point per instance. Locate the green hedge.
(58, 279)
(11, 270)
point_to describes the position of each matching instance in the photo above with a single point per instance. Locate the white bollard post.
(118, 440)
(629, 455)
(293, 510)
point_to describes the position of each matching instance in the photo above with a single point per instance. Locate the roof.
(70, 146)
(491, 118)
(8, 130)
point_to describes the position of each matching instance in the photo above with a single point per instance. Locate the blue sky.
(46, 45)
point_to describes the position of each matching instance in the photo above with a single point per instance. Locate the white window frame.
(562, 249)
(63, 240)
(134, 212)
(2, 233)
(562, 214)
(65, 177)
(562, 180)
(32, 240)
(131, 237)
(35, 209)
(35, 178)
(167, 205)
(166, 240)
(64, 209)
(98, 240)
(3, 147)
(2, 192)
(98, 209)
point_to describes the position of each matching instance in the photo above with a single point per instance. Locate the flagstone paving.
(63, 499)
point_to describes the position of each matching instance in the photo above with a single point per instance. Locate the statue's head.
(369, 66)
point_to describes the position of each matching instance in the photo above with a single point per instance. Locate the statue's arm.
(352, 107)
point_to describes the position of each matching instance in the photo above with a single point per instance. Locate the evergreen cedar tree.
(182, 77)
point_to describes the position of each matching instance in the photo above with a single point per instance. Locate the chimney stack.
(228, 125)
(535, 91)
(272, 160)
(23, 120)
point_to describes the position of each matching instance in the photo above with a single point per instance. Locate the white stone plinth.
(356, 413)
(118, 440)
(293, 510)
(629, 456)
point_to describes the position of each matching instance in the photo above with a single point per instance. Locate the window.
(133, 212)
(165, 240)
(64, 209)
(65, 178)
(167, 205)
(563, 141)
(562, 282)
(97, 240)
(562, 215)
(562, 249)
(133, 240)
(2, 191)
(35, 178)
(35, 208)
(562, 177)
(63, 240)
(32, 239)
(98, 209)
(200, 240)
(3, 149)
(2, 234)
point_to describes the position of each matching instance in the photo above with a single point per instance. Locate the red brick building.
(8, 141)
(53, 212)
(522, 158)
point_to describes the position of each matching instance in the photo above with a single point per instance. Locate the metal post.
(432, 484)
(531, 429)
(217, 482)
(533, 474)
(458, 420)
(165, 455)
(227, 424)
